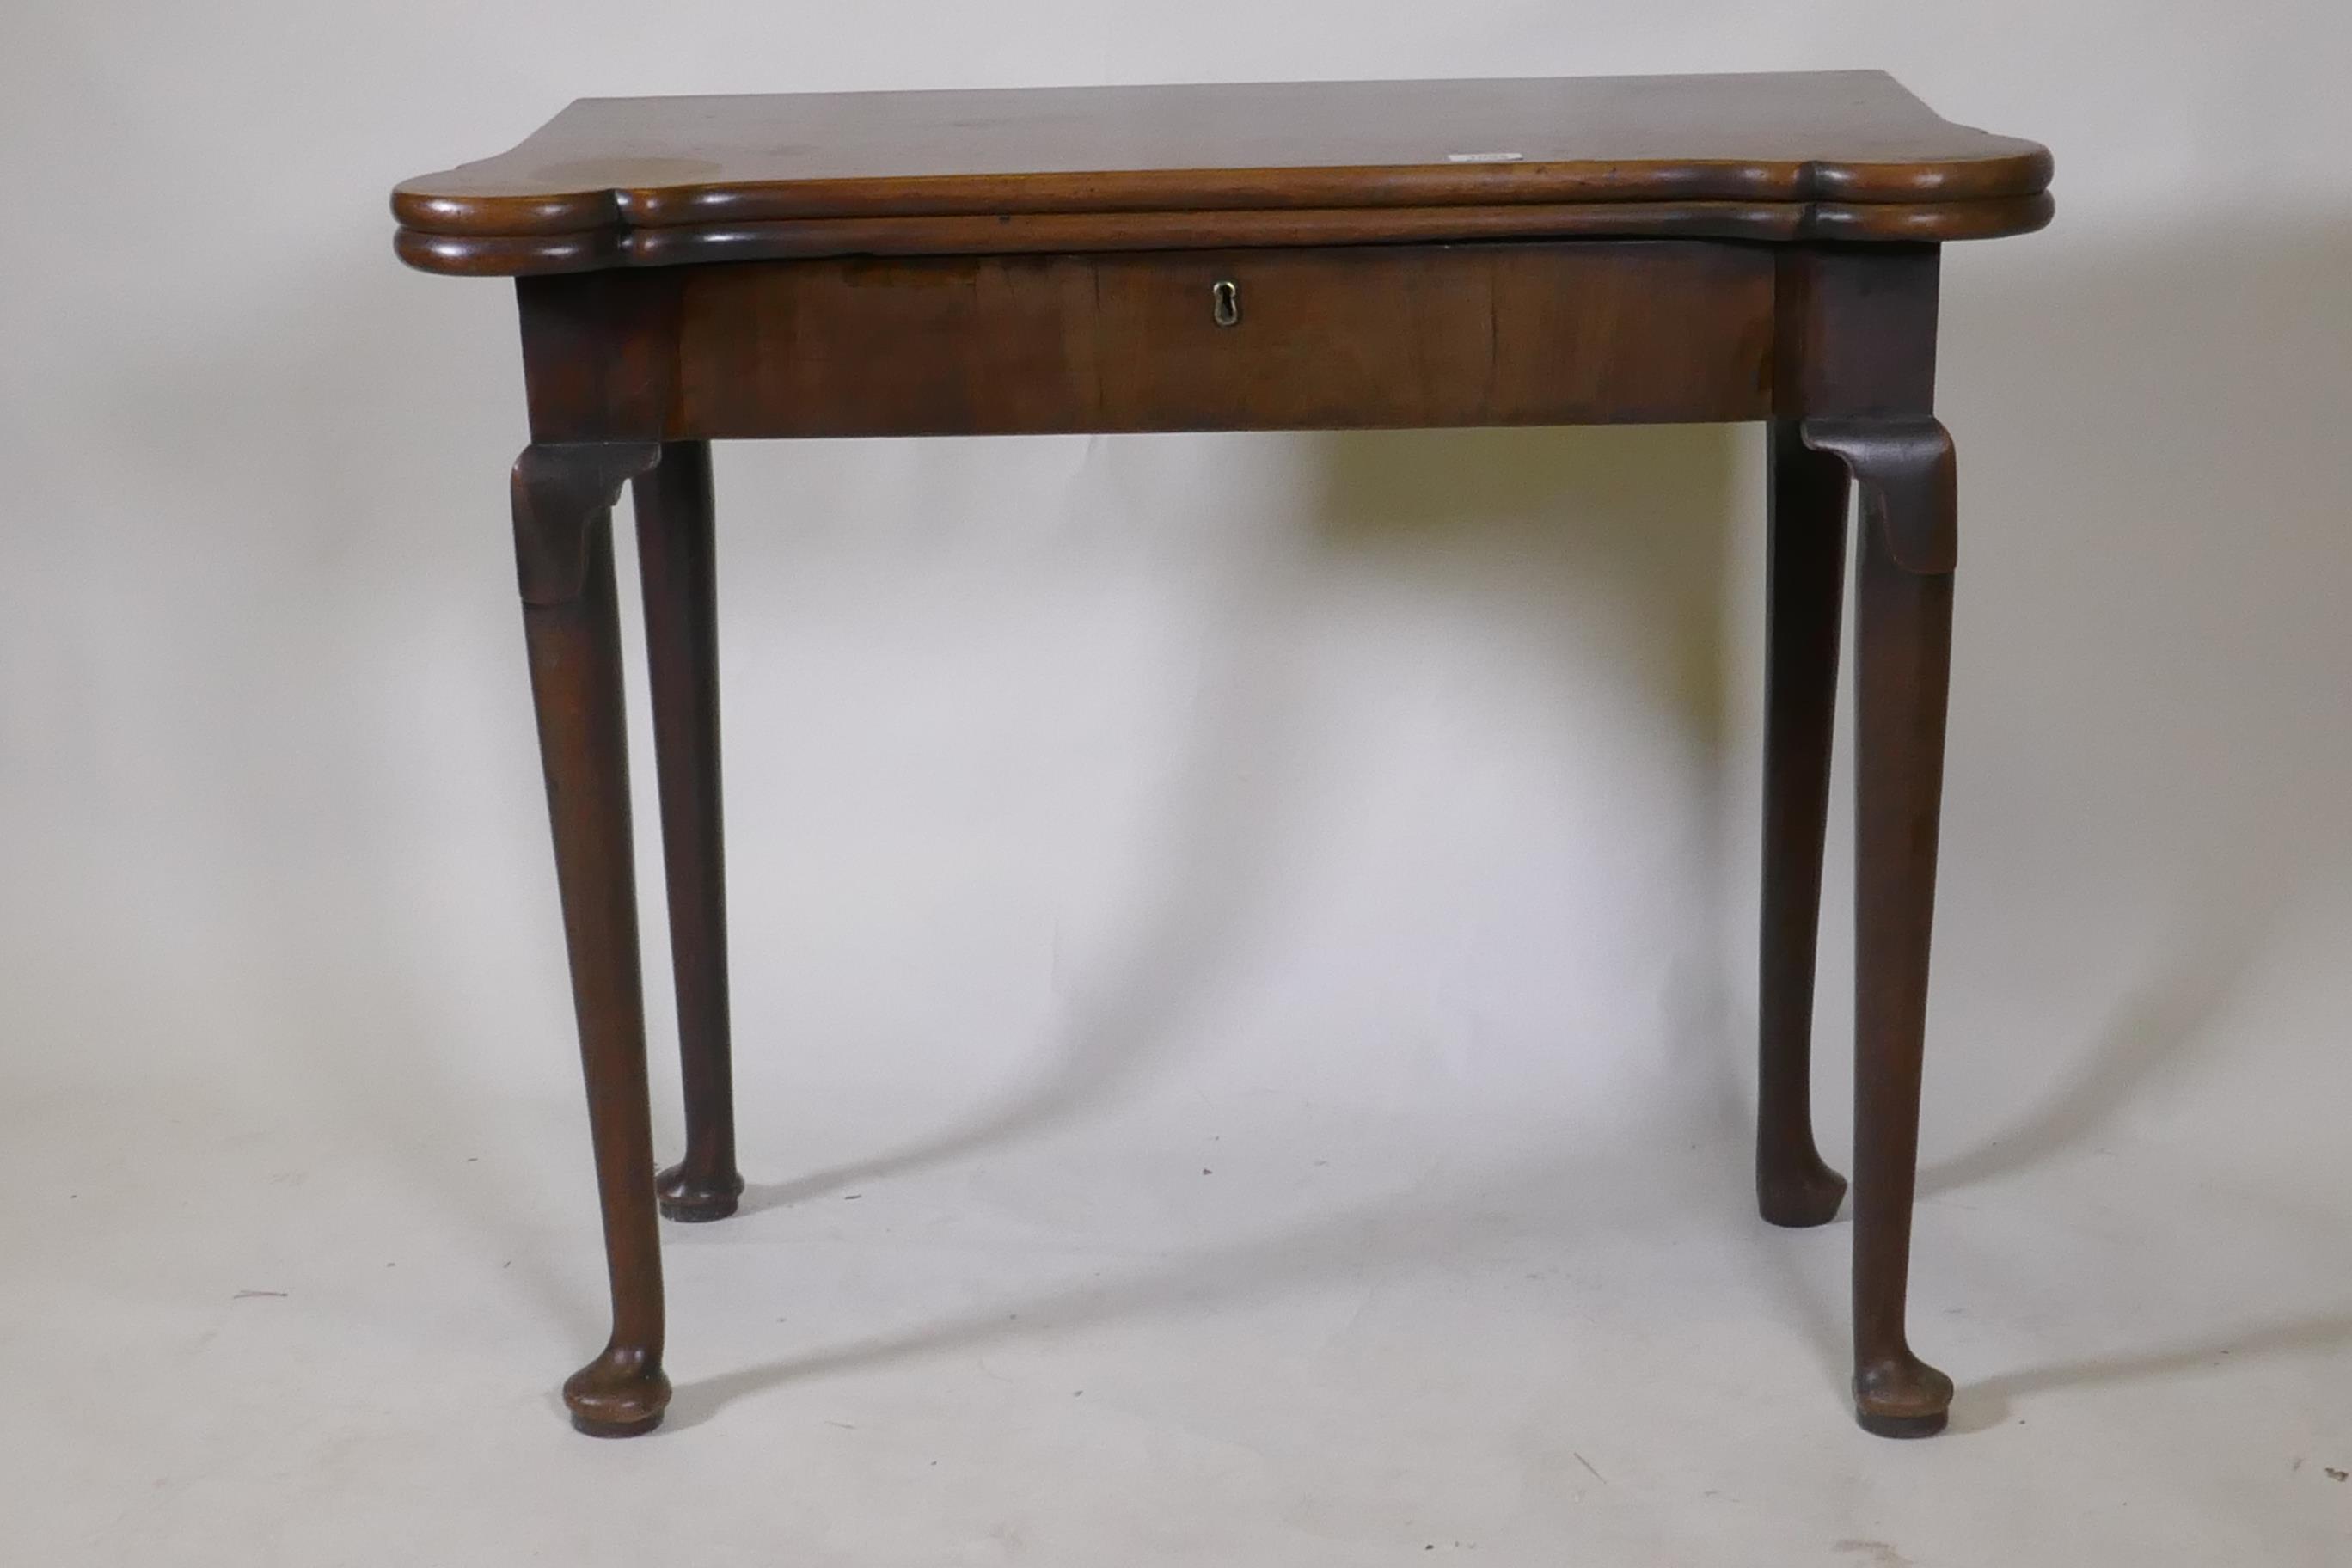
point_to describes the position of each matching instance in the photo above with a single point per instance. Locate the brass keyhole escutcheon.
(1225, 302)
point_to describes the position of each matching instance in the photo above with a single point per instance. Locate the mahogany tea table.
(1312, 256)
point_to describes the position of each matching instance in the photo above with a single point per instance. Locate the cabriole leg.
(674, 558)
(1903, 625)
(563, 496)
(1804, 603)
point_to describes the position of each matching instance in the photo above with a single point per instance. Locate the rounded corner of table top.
(630, 183)
(445, 225)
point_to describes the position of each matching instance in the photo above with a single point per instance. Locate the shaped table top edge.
(638, 182)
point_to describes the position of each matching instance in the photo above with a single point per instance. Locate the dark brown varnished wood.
(1379, 337)
(676, 559)
(654, 182)
(1855, 330)
(599, 354)
(1156, 259)
(1032, 234)
(563, 498)
(1902, 629)
(1854, 365)
(1806, 579)
(1595, 333)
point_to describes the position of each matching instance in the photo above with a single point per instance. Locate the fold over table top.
(634, 182)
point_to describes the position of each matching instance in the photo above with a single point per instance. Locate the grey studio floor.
(323, 1325)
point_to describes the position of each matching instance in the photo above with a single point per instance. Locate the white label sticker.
(1484, 157)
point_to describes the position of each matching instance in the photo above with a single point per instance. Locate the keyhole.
(1225, 302)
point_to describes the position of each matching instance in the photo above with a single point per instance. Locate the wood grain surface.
(659, 181)
(1393, 336)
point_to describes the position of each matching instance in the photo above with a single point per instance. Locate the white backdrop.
(1104, 808)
